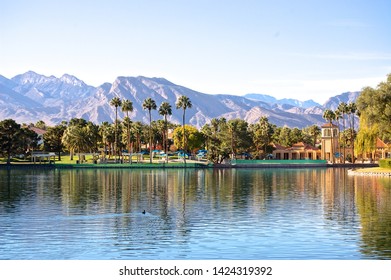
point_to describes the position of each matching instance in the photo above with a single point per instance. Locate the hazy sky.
(292, 49)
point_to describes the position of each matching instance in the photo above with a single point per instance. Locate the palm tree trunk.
(352, 138)
(343, 136)
(232, 145)
(166, 138)
(183, 136)
(332, 143)
(150, 137)
(115, 136)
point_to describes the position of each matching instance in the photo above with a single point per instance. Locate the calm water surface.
(194, 214)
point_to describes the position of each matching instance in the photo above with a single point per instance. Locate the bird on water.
(143, 211)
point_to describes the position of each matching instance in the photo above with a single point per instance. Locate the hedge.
(385, 163)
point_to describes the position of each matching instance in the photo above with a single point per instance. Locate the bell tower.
(330, 141)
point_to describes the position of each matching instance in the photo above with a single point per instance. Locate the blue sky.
(287, 49)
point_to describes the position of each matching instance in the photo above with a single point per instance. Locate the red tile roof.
(38, 130)
(328, 125)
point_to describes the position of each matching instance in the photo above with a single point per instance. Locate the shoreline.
(374, 171)
(353, 168)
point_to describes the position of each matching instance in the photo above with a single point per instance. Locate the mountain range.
(30, 97)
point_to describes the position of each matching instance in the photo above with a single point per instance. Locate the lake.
(283, 214)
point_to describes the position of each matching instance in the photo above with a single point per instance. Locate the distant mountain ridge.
(288, 101)
(347, 97)
(30, 97)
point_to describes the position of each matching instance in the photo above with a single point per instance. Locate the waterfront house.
(297, 151)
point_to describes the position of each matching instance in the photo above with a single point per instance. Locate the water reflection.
(373, 197)
(194, 214)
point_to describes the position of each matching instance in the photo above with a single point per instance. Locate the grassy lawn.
(89, 161)
(373, 169)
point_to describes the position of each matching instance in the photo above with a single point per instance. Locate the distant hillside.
(288, 101)
(30, 97)
(347, 97)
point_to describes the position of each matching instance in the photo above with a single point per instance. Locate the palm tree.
(314, 131)
(127, 106)
(337, 117)
(137, 129)
(343, 108)
(150, 104)
(164, 110)
(184, 103)
(116, 102)
(329, 115)
(232, 125)
(352, 110)
(76, 138)
(264, 127)
(105, 132)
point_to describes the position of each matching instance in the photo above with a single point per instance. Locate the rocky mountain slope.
(30, 97)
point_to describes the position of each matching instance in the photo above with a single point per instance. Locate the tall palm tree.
(184, 103)
(150, 104)
(232, 126)
(343, 109)
(116, 102)
(314, 131)
(337, 117)
(264, 131)
(215, 126)
(165, 110)
(127, 106)
(329, 115)
(104, 130)
(137, 129)
(352, 110)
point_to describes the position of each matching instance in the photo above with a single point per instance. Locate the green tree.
(212, 137)
(10, 133)
(239, 136)
(215, 124)
(116, 102)
(137, 130)
(165, 110)
(106, 133)
(311, 134)
(77, 121)
(28, 139)
(374, 105)
(150, 104)
(366, 139)
(284, 137)
(343, 109)
(41, 124)
(262, 132)
(329, 115)
(337, 117)
(207, 133)
(194, 137)
(352, 110)
(127, 106)
(52, 139)
(76, 138)
(296, 135)
(94, 135)
(184, 103)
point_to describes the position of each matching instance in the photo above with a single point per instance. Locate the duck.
(143, 211)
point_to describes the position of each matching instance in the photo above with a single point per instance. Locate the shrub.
(385, 163)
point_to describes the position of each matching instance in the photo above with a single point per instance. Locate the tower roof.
(328, 125)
